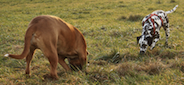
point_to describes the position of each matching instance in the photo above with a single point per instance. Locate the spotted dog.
(151, 25)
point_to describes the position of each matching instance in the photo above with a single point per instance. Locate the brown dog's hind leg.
(28, 59)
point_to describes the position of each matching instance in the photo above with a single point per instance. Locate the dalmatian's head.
(145, 39)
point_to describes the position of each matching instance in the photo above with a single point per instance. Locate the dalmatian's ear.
(138, 38)
(150, 40)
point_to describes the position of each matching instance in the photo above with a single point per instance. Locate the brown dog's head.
(77, 62)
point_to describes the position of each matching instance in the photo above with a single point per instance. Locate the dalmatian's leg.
(167, 31)
(156, 38)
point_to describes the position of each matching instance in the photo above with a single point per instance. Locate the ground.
(110, 28)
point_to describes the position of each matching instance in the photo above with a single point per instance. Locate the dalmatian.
(151, 25)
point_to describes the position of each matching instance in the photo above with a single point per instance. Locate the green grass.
(109, 27)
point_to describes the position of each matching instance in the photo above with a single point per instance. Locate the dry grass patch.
(126, 69)
(98, 73)
(151, 68)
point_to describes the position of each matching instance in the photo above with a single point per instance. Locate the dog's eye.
(144, 46)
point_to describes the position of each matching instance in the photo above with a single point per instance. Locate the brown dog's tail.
(27, 44)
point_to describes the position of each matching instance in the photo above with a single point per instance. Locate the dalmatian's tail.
(171, 11)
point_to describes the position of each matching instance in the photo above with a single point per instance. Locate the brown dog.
(57, 40)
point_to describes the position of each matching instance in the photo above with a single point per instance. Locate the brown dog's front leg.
(63, 64)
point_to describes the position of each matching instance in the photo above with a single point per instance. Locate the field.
(110, 28)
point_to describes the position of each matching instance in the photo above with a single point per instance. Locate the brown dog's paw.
(48, 76)
(27, 75)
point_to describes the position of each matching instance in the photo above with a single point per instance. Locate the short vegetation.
(110, 28)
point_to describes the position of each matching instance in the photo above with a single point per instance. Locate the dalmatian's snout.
(142, 52)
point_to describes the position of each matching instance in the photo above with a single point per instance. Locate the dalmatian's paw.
(166, 44)
(151, 48)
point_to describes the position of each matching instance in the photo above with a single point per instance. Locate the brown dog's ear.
(87, 53)
(138, 39)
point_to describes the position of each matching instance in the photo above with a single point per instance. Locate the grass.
(110, 29)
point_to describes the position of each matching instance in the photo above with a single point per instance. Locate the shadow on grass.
(132, 18)
(116, 57)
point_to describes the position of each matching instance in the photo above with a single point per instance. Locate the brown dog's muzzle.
(75, 67)
(75, 64)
